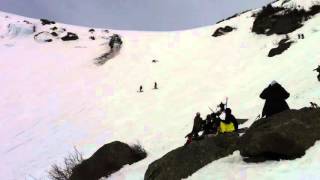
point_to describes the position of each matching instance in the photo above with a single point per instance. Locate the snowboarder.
(275, 96)
(155, 85)
(140, 89)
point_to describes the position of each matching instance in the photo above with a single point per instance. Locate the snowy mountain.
(54, 97)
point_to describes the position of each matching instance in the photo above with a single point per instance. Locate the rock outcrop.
(107, 160)
(222, 31)
(283, 45)
(184, 161)
(286, 135)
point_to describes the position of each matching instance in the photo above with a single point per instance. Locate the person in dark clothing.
(208, 125)
(197, 125)
(155, 85)
(140, 89)
(275, 96)
(231, 119)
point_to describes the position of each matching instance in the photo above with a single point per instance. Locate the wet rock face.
(184, 161)
(286, 135)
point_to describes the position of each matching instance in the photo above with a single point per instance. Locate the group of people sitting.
(223, 121)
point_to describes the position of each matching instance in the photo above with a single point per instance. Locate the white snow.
(53, 96)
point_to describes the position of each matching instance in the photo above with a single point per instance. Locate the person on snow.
(275, 96)
(140, 89)
(230, 123)
(155, 85)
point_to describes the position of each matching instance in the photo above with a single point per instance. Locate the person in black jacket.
(231, 119)
(197, 125)
(275, 96)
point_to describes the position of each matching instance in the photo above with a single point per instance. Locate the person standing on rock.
(275, 96)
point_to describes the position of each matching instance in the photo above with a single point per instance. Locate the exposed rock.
(91, 30)
(54, 34)
(54, 28)
(222, 31)
(105, 161)
(46, 22)
(184, 161)
(286, 135)
(278, 20)
(283, 45)
(70, 37)
(92, 38)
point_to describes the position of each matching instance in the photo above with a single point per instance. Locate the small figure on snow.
(140, 89)
(275, 96)
(155, 85)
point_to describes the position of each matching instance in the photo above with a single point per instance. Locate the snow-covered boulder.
(184, 161)
(43, 37)
(14, 29)
(286, 135)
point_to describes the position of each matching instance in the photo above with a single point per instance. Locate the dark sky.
(157, 15)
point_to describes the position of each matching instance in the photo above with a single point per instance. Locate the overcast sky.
(159, 15)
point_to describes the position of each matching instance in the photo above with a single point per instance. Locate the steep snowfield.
(54, 97)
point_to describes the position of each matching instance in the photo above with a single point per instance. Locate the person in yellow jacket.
(230, 123)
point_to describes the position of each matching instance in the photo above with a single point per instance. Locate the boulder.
(107, 160)
(70, 37)
(278, 20)
(286, 135)
(184, 161)
(283, 45)
(222, 31)
(46, 22)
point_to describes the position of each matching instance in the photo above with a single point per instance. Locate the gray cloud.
(160, 15)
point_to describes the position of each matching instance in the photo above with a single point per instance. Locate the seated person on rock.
(229, 124)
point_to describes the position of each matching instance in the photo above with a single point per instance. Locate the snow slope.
(54, 97)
